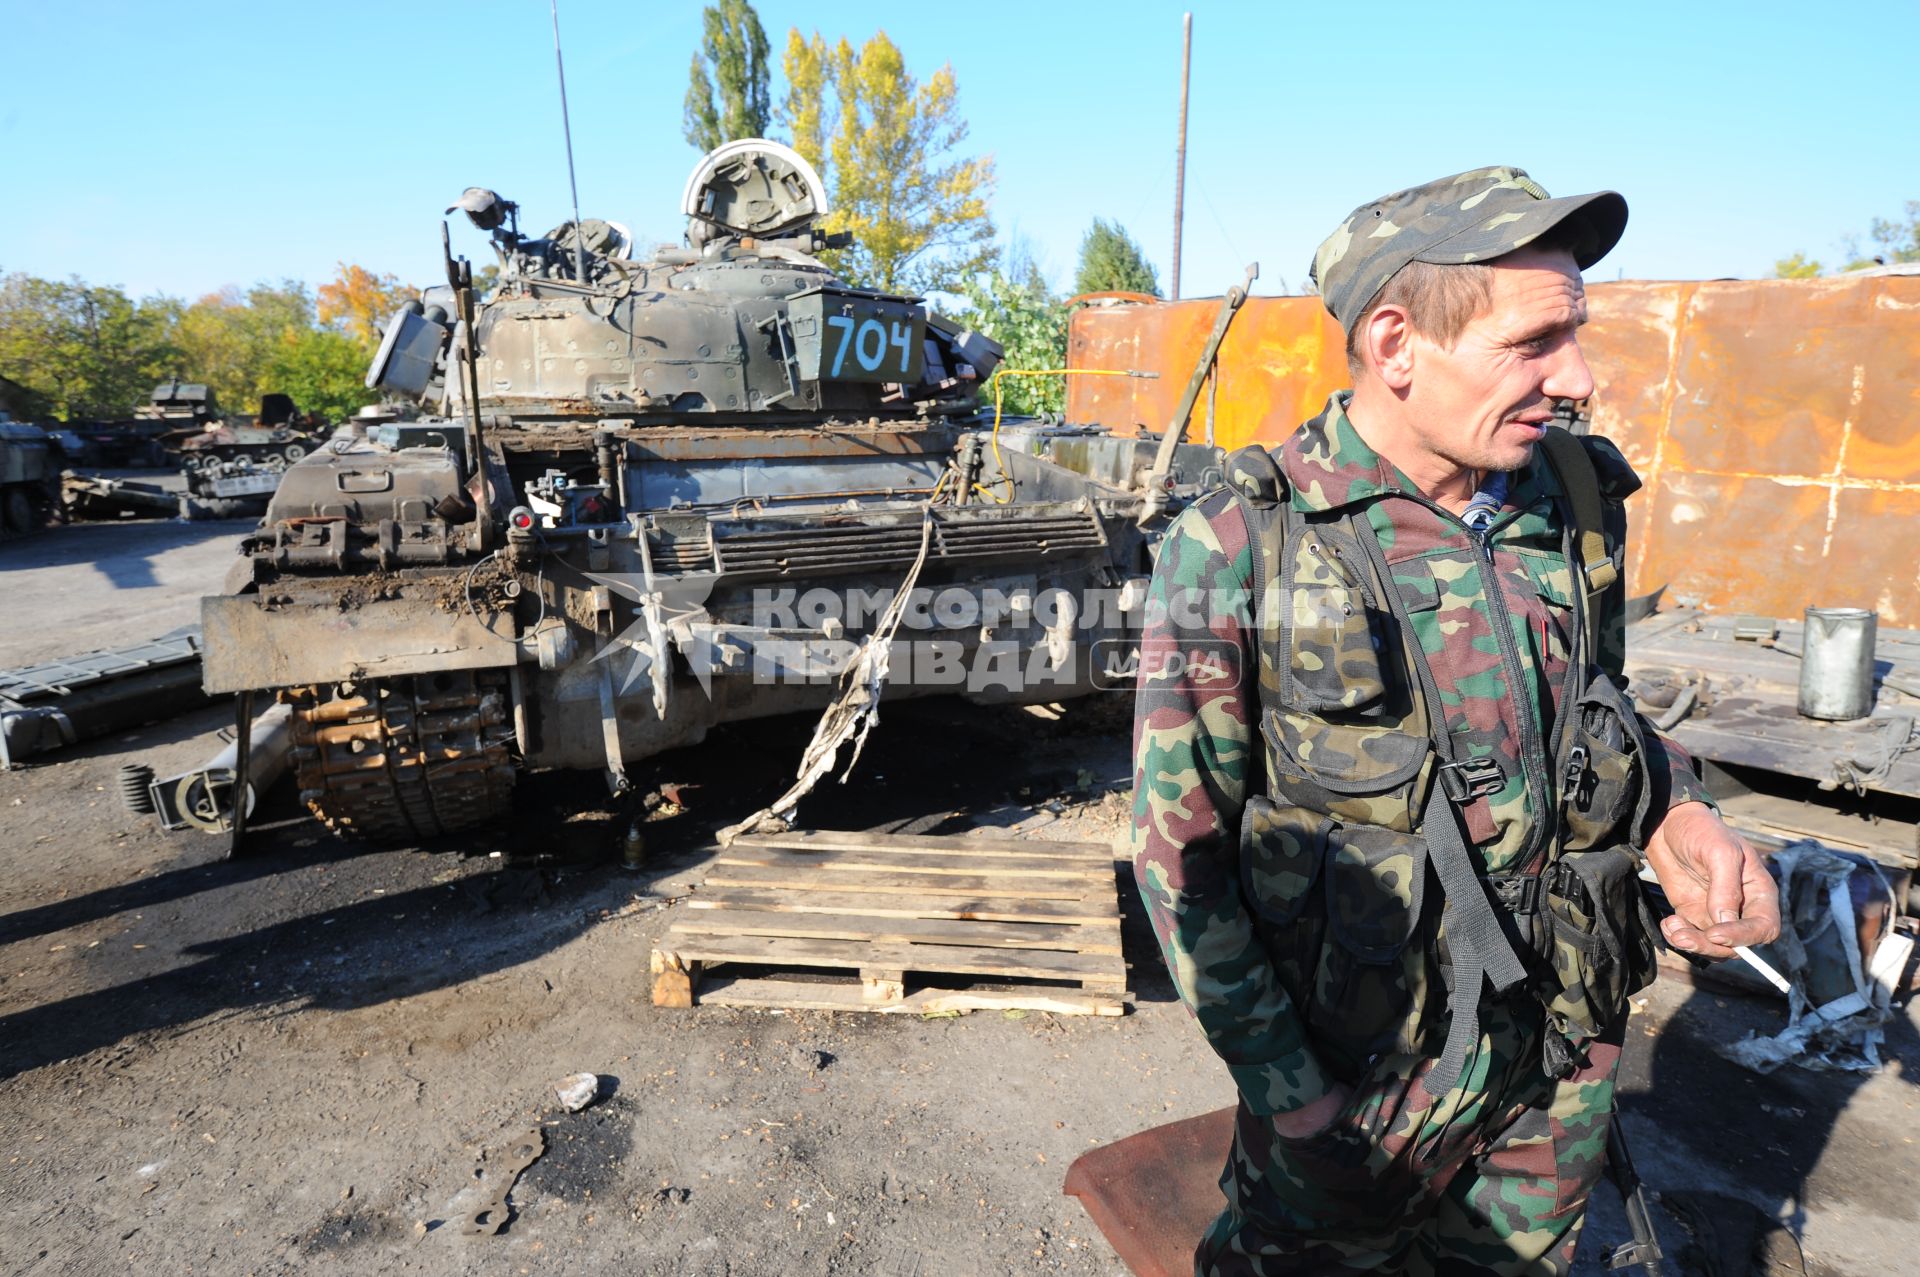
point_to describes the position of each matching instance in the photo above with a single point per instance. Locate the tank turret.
(742, 322)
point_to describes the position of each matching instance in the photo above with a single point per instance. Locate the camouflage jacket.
(1198, 752)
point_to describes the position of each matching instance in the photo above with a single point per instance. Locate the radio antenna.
(566, 128)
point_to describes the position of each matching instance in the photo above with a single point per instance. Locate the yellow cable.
(1031, 372)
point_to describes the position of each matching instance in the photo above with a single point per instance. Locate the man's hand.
(1721, 894)
(1315, 1117)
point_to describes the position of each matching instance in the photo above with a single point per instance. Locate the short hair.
(1441, 300)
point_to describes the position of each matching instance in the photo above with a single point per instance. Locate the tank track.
(403, 759)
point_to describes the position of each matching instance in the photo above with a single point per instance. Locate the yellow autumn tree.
(888, 148)
(359, 302)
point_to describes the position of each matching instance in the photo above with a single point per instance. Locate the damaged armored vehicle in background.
(27, 473)
(174, 410)
(653, 494)
(272, 441)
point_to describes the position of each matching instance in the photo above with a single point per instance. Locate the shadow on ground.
(288, 920)
(123, 551)
(1740, 1150)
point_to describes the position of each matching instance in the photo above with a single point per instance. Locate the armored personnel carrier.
(652, 494)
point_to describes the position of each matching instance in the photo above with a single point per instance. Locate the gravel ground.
(295, 1061)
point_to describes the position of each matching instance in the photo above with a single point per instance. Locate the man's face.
(1483, 404)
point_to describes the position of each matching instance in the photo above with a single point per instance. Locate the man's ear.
(1386, 343)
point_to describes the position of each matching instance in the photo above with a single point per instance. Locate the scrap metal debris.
(1841, 958)
(98, 497)
(498, 1173)
(209, 797)
(62, 702)
(1871, 763)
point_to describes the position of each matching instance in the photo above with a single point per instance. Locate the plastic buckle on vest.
(1471, 778)
(1518, 894)
(1576, 766)
(1561, 881)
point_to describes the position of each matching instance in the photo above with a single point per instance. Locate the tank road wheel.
(293, 452)
(399, 760)
(272, 461)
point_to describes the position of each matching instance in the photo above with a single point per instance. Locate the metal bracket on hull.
(609, 701)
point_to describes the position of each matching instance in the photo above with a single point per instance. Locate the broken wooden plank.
(921, 862)
(972, 844)
(882, 986)
(800, 995)
(673, 980)
(1079, 913)
(1097, 969)
(905, 884)
(876, 921)
(922, 931)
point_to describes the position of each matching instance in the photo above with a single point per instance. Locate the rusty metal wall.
(1776, 422)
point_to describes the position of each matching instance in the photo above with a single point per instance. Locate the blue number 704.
(845, 324)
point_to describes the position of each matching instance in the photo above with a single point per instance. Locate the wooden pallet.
(848, 921)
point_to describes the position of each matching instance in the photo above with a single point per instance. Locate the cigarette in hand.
(1765, 968)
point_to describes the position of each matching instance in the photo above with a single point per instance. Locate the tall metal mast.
(566, 126)
(1180, 155)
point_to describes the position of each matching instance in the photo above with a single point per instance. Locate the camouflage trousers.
(1492, 1177)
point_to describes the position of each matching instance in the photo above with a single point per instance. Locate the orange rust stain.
(1280, 360)
(1776, 423)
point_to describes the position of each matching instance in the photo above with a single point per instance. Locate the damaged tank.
(272, 441)
(651, 494)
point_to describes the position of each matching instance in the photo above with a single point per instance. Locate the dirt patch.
(297, 1058)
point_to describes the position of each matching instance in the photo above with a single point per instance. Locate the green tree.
(1799, 266)
(1111, 262)
(1896, 241)
(229, 339)
(1031, 324)
(323, 370)
(733, 51)
(93, 352)
(1900, 239)
(887, 147)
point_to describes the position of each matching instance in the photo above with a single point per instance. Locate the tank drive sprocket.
(403, 759)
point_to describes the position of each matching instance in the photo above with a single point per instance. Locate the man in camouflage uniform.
(1388, 802)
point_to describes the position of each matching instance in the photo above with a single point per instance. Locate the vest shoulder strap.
(1254, 474)
(1259, 488)
(1594, 476)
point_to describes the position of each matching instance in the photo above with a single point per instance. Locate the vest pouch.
(1281, 852)
(1332, 659)
(1346, 734)
(1603, 775)
(1600, 937)
(1371, 993)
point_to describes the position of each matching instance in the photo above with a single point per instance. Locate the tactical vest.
(1375, 912)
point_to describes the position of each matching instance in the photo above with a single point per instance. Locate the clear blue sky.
(179, 147)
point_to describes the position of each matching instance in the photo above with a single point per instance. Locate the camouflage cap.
(1471, 217)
